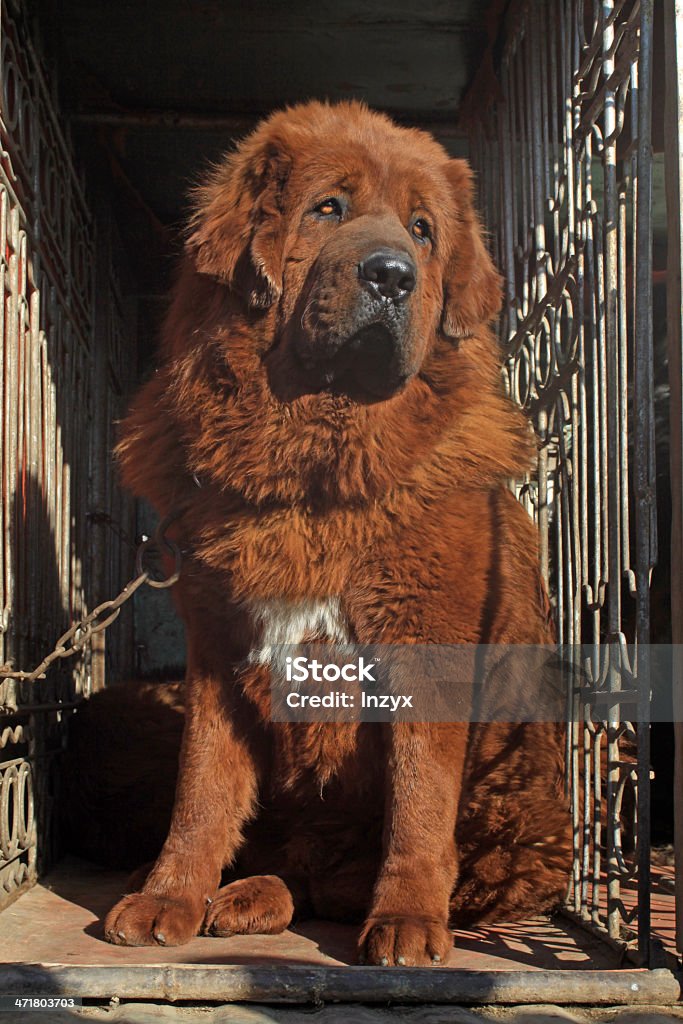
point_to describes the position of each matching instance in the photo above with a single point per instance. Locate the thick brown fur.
(394, 504)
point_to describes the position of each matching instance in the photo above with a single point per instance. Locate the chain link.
(77, 636)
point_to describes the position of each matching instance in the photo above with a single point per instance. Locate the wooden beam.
(237, 125)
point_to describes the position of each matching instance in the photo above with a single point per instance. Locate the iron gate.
(561, 142)
(55, 443)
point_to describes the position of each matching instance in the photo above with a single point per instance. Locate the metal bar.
(673, 33)
(644, 475)
(316, 985)
(612, 522)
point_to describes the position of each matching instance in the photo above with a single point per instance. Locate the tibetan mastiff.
(327, 424)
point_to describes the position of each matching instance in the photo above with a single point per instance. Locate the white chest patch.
(280, 622)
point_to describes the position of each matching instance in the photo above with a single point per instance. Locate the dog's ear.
(472, 285)
(237, 230)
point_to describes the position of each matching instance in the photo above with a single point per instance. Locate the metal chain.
(74, 640)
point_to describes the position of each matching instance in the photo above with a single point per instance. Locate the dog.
(328, 427)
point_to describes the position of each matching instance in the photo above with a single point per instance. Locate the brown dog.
(328, 419)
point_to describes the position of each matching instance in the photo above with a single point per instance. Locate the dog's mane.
(453, 427)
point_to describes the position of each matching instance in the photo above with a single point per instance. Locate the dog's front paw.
(140, 919)
(403, 941)
(259, 905)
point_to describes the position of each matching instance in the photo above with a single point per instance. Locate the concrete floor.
(59, 922)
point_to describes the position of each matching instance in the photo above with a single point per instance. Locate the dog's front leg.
(408, 922)
(216, 794)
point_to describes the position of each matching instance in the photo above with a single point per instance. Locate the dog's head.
(328, 339)
(358, 235)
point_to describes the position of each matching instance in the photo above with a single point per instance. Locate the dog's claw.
(121, 935)
(160, 938)
(406, 941)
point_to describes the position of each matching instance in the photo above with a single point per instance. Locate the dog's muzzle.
(369, 356)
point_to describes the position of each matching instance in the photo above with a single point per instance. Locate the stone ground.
(154, 1013)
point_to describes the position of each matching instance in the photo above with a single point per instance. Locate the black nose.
(388, 274)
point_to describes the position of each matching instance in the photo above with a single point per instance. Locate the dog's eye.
(421, 230)
(329, 207)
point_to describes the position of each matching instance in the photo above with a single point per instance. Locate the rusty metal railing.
(59, 391)
(561, 142)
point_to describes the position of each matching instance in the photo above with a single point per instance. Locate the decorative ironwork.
(54, 428)
(563, 154)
